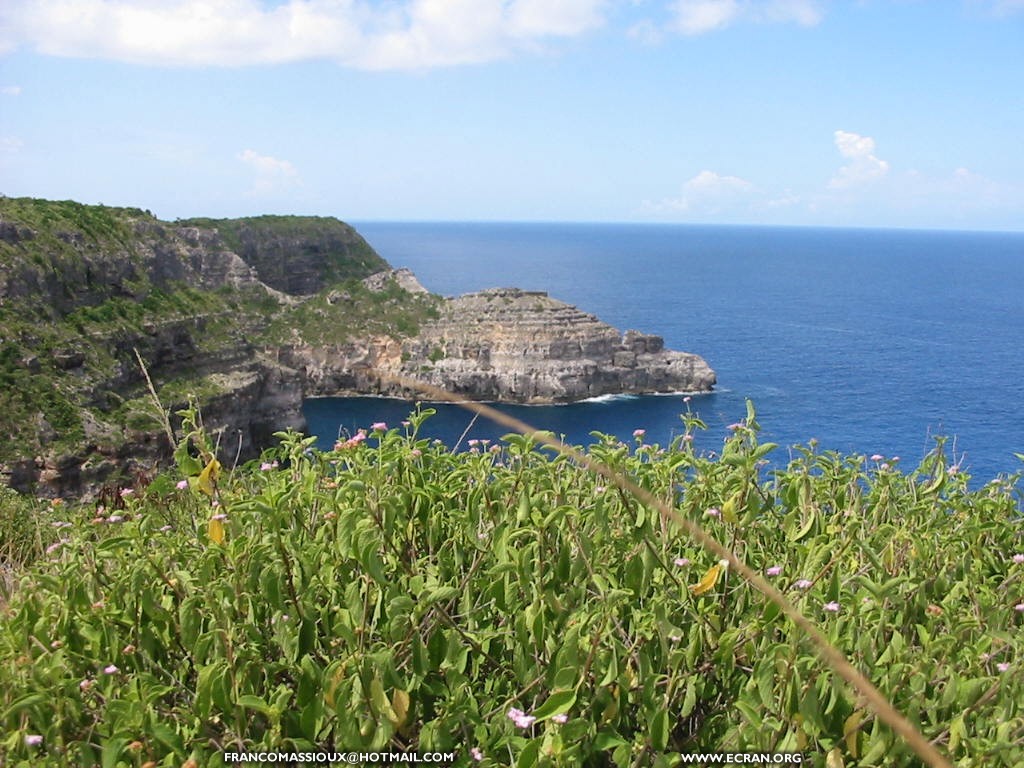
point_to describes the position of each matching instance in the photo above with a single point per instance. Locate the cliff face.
(524, 346)
(249, 317)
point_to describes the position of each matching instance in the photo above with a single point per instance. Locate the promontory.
(248, 318)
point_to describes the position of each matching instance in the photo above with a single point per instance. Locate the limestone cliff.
(526, 347)
(250, 317)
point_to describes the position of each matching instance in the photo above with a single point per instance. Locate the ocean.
(868, 341)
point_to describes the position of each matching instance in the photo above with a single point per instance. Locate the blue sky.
(895, 113)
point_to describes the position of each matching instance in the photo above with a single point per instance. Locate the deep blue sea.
(870, 341)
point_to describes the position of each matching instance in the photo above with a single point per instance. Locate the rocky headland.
(248, 318)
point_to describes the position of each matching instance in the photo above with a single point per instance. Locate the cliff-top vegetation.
(510, 606)
(84, 286)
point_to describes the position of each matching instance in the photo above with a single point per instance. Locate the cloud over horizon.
(707, 193)
(272, 175)
(863, 166)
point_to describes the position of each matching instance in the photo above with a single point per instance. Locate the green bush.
(391, 594)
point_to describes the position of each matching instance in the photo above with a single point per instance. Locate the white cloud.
(272, 175)
(10, 145)
(695, 17)
(403, 34)
(11, 90)
(698, 17)
(1006, 7)
(863, 166)
(645, 32)
(707, 193)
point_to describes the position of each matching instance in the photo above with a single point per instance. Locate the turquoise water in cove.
(870, 341)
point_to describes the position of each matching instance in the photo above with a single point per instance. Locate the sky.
(869, 113)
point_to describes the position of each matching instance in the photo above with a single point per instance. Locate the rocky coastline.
(295, 288)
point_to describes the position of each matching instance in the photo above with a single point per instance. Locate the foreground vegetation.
(508, 605)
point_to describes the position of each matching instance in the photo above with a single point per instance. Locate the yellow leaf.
(709, 579)
(801, 734)
(207, 481)
(216, 531)
(851, 728)
(400, 703)
(834, 759)
(729, 508)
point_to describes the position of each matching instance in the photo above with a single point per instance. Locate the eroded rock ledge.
(526, 347)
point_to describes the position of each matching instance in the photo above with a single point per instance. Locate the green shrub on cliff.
(83, 286)
(510, 606)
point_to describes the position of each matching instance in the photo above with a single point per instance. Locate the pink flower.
(883, 465)
(1018, 558)
(520, 718)
(775, 570)
(476, 754)
(953, 470)
(115, 519)
(734, 427)
(165, 528)
(495, 449)
(1003, 666)
(804, 584)
(379, 426)
(126, 492)
(266, 466)
(33, 739)
(687, 399)
(181, 485)
(687, 438)
(560, 719)
(416, 453)
(832, 607)
(1019, 607)
(219, 516)
(877, 457)
(111, 669)
(86, 684)
(713, 512)
(682, 562)
(472, 443)
(55, 546)
(639, 432)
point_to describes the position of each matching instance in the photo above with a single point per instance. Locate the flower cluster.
(520, 718)
(352, 442)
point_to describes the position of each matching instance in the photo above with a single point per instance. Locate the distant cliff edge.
(250, 317)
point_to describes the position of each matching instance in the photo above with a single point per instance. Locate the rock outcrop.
(524, 346)
(251, 317)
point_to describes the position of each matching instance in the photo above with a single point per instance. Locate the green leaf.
(660, 730)
(608, 739)
(248, 701)
(112, 750)
(528, 757)
(557, 703)
(169, 738)
(25, 702)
